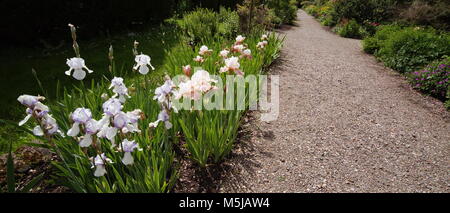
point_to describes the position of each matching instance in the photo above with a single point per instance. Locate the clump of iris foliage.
(117, 133)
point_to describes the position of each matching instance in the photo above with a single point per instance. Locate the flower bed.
(118, 135)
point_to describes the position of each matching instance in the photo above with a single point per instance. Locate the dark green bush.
(228, 22)
(350, 30)
(285, 10)
(374, 43)
(203, 24)
(362, 10)
(412, 48)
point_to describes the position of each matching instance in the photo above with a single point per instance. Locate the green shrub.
(374, 43)
(350, 30)
(412, 48)
(255, 16)
(286, 10)
(362, 10)
(327, 15)
(370, 45)
(199, 24)
(312, 10)
(203, 24)
(434, 79)
(228, 22)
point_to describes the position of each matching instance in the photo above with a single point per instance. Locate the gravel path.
(346, 124)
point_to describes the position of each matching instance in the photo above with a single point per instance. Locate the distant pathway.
(346, 124)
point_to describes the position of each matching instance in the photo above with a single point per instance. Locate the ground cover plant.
(433, 79)
(117, 132)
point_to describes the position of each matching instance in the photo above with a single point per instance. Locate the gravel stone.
(346, 124)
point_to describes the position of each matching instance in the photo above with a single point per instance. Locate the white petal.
(61, 133)
(151, 66)
(79, 74)
(125, 130)
(38, 131)
(74, 131)
(68, 72)
(111, 133)
(168, 124)
(22, 122)
(154, 124)
(113, 142)
(100, 171)
(122, 99)
(89, 71)
(127, 159)
(143, 69)
(87, 141)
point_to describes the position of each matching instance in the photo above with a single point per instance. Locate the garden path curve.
(346, 124)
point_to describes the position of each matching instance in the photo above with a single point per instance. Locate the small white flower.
(134, 115)
(22, 122)
(120, 120)
(142, 63)
(232, 63)
(99, 163)
(264, 37)
(91, 127)
(163, 91)
(108, 133)
(77, 65)
(199, 83)
(163, 116)
(51, 126)
(128, 147)
(119, 89)
(202, 80)
(34, 106)
(86, 141)
(199, 59)
(247, 53)
(204, 50)
(79, 116)
(37, 130)
(29, 100)
(239, 39)
(187, 90)
(112, 106)
(224, 53)
(40, 110)
(223, 69)
(261, 44)
(238, 48)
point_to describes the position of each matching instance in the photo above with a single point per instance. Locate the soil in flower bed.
(29, 162)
